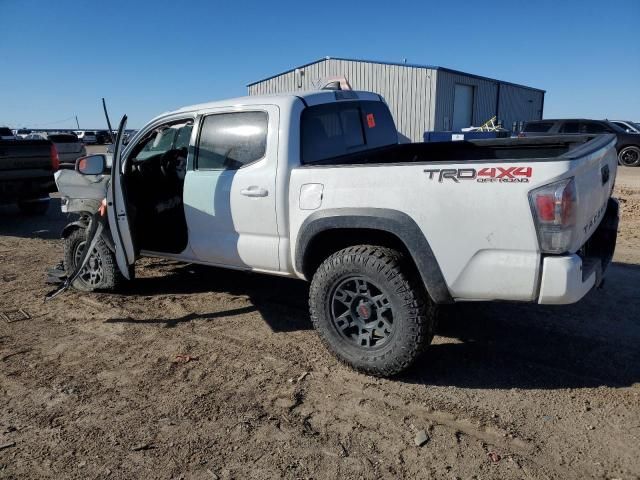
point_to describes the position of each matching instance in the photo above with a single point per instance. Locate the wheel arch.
(327, 231)
(70, 227)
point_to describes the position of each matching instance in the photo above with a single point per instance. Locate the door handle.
(254, 191)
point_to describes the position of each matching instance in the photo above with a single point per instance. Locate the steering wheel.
(168, 162)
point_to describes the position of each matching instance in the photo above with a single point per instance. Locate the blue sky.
(58, 58)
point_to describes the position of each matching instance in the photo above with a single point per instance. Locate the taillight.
(554, 213)
(55, 160)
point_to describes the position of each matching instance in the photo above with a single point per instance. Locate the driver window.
(162, 140)
(229, 141)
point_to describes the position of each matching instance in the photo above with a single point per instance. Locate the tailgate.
(594, 167)
(25, 155)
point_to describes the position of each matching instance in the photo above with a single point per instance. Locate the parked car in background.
(626, 125)
(6, 134)
(88, 137)
(102, 137)
(627, 144)
(22, 132)
(26, 173)
(36, 136)
(69, 148)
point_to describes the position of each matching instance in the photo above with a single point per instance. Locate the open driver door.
(117, 209)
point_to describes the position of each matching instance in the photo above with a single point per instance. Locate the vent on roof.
(334, 83)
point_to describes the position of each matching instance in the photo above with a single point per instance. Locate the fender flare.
(81, 224)
(390, 221)
(70, 227)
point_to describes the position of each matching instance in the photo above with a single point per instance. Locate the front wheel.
(370, 309)
(629, 156)
(101, 271)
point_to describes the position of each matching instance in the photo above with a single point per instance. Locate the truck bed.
(470, 200)
(530, 149)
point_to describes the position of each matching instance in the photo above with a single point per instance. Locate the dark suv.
(627, 146)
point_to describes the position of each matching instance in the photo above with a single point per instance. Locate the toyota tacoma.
(316, 186)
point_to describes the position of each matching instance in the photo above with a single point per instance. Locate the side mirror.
(91, 164)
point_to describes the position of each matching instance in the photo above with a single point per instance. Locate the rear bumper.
(568, 278)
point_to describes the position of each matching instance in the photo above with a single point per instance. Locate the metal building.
(422, 98)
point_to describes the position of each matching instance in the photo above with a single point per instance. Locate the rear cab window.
(570, 127)
(537, 127)
(595, 127)
(334, 129)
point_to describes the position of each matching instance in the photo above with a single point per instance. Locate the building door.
(462, 106)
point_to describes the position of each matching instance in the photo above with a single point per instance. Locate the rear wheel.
(370, 309)
(34, 207)
(629, 156)
(101, 271)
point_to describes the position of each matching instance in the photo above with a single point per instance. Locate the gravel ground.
(194, 372)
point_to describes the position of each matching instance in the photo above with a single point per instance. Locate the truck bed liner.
(505, 150)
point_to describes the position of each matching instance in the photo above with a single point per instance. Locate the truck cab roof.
(312, 97)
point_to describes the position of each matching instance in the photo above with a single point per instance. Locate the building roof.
(399, 64)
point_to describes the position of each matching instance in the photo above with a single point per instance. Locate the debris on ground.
(302, 377)
(343, 451)
(421, 438)
(20, 352)
(7, 445)
(184, 359)
(15, 315)
(494, 457)
(142, 446)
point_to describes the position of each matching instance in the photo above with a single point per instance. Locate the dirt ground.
(91, 385)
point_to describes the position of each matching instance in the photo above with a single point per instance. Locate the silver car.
(69, 148)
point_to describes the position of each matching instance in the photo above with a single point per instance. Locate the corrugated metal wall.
(407, 90)
(411, 93)
(519, 104)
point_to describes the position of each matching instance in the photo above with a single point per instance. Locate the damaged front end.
(83, 195)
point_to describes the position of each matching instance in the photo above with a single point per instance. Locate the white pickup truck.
(316, 186)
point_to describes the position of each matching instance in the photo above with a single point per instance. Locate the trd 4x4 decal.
(484, 175)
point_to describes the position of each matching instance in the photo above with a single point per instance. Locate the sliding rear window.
(537, 127)
(334, 129)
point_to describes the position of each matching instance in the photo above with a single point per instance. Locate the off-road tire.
(629, 156)
(111, 277)
(414, 314)
(34, 207)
